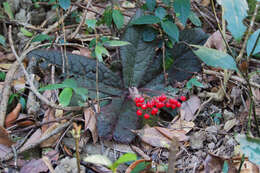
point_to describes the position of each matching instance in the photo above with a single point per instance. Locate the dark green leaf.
(2, 76)
(108, 17)
(160, 12)
(8, 10)
(116, 43)
(52, 87)
(250, 147)
(99, 51)
(2, 40)
(251, 42)
(182, 10)
(194, 82)
(118, 18)
(83, 92)
(167, 2)
(41, 37)
(194, 19)
(148, 19)
(149, 34)
(151, 4)
(65, 96)
(65, 4)
(215, 58)
(171, 29)
(70, 83)
(91, 23)
(235, 12)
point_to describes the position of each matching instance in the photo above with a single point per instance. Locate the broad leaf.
(8, 10)
(182, 10)
(194, 82)
(194, 19)
(70, 83)
(2, 40)
(123, 159)
(99, 51)
(65, 4)
(250, 147)
(83, 92)
(251, 42)
(116, 43)
(91, 23)
(52, 87)
(42, 37)
(151, 4)
(149, 34)
(171, 29)
(26, 32)
(148, 19)
(65, 96)
(118, 18)
(108, 16)
(215, 58)
(160, 12)
(235, 12)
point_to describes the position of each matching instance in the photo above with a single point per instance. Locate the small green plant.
(194, 82)
(18, 97)
(69, 86)
(2, 76)
(103, 160)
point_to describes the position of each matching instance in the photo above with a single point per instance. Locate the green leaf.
(167, 2)
(160, 12)
(149, 34)
(215, 58)
(194, 82)
(250, 147)
(171, 29)
(235, 12)
(99, 51)
(83, 92)
(116, 43)
(42, 37)
(151, 4)
(182, 7)
(194, 19)
(2, 40)
(118, 18)
(70, 83)
(225, 167)
(8, 10)
(251, 42)
(108, 16)
(98, 159)
(65, 96)
(52, 87)
(65, 4)
(23, 102)
(26, 32)
(148, 19)
(91, 23)
(123, 159)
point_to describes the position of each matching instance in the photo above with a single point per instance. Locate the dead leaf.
(19, 84)
(48, 116)
(182, 125)
(153, 137)
(52, 140)
(4, 150)
(136, 163)
(205, 3)
(247, 167)
(4, 137)
(230, 124)
(82, 51)
(8, 56)
(24, 120)
(215, 41)
(189, 108)
(12, 116)
(5, 66)
(90, 123)
(178, 134)
(33, 139)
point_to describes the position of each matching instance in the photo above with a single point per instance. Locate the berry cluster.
(153, 105)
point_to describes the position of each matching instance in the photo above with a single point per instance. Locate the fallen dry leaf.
(182, 125)
(82, 51)
(247, 167)
(215, 41)
(19, 84)
(8, 56)
(12, 116)
(230, 124)
(90, 123)
(5, 66)
(48, 116)
(4, 137)
(189, 108)
(4, 150)
(136, 163)
(33, 139)
(178, 134)
(52, 140)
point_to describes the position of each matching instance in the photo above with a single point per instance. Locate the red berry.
(154, 111)
(161, 104)
(183, 98)
(139, 112)
(162, 97)
(178, 104)
(173, 101)
(173, 106)
(148, 104)
(144, 106)
(167, 104)
(137, 100)
(138, 104)
(153, 103)
(141, 99)
(146, 116)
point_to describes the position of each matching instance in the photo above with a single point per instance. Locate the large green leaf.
(215, 58)
(160, 12)
(65, 96)
(171, 29)
(251, 42)
(65, 4)
(148, 19)
(123, 159)
(250, 147)
(118, 18)
(182, 10)
(99, 51)
(234, 14)
(151, 4)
